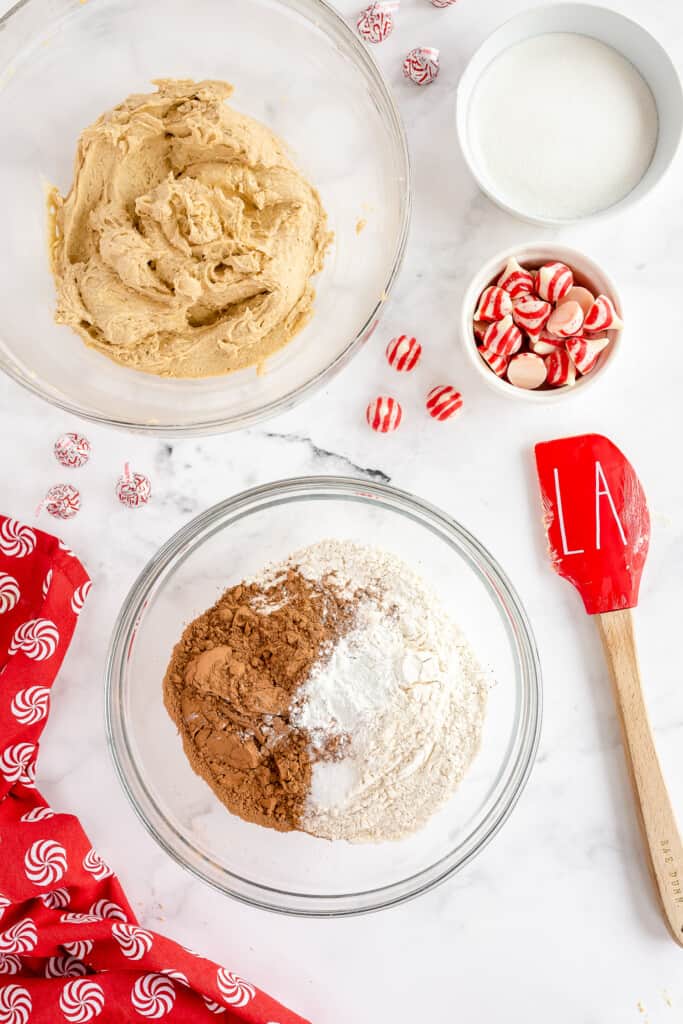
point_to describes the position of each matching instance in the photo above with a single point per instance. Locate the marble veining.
(556, 920)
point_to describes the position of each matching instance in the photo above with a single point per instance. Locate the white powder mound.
(401, 691)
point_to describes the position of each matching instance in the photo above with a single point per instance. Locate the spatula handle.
(654, 806)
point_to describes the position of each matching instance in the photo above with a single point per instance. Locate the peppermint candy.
(10, 964)
(516, 280)
(545, 344)
(531, 314)
(16, 540)
(15, 1004)
(80, 949)
(421, 65)
(9, 593)
(16, 762)
(20, 938)
(495, 361)
(566, 321)
(133, 489)
(527, 370)
(153, 996)
(63, 501)
(37, 639)
(602, 316)
(443, 402)
(234, 990)
(38, 814)
(384, 414)
(554, 281)
(584, 354)
(64, 967)
(81, 1000)
(133, 941)
(95, 866)
(45, 862)
(503, 337)
(560, 370)
(403, 353)
(56, 899)
(107, 909)
(79, 596)
(30, 705)
(495, 304)
(376, 22)
(72, 450)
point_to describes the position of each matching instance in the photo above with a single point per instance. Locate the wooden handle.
(654, 806)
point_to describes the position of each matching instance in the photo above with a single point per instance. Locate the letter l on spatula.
(598, 527)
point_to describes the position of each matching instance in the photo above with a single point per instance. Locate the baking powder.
(562, 126)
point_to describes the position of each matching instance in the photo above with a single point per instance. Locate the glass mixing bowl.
(292, 872)
(296, 66)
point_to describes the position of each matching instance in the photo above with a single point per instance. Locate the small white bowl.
(625, 36)
(586, 273)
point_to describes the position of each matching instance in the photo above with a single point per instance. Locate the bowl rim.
(462, 112)
(321, 11)
(575, 258)
(510, 780)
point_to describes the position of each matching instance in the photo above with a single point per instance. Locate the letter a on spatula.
(598, 528)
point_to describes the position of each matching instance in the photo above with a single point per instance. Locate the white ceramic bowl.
(586, 273)
(623, 35)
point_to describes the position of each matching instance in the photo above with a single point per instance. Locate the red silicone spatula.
(598, 528)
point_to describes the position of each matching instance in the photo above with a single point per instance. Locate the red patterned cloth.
(71, 949)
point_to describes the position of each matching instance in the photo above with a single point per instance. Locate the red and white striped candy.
(494, 304)
(560, 370)
(566, 320)
(403, 353)
(503, 337)
(527, 371)
(443, 402)
(72, 450)
(581, 295)
(421, 65)
(602, 316)
(62, 501)
(531, 314)
(584, 354)
(516, 280)
(495, 361)
(554, 281)
(376, 22)
(545, 344)
(384, 414)
(480, 329)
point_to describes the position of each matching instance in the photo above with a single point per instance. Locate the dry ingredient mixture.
(331, 694)
(188, 240)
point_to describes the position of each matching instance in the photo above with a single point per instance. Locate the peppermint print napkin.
(71, 949)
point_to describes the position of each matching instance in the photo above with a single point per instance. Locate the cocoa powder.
(230, 685)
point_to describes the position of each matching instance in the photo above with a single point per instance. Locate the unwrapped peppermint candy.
(421, 65)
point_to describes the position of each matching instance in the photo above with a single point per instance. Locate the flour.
(562, 126)
(401, 693)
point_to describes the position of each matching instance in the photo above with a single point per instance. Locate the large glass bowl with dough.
(162, 326)
(402, 844)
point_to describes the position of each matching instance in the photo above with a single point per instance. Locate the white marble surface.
(556, 920)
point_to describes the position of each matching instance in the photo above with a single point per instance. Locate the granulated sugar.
(401, 692)
(562, 126)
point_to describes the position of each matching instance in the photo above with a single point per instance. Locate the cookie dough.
(188, 240)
